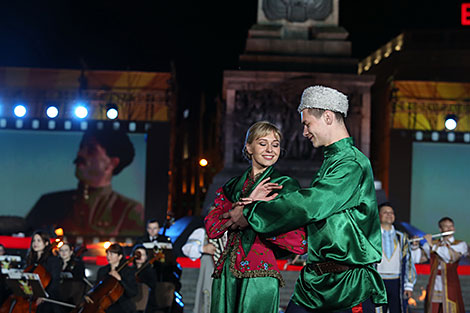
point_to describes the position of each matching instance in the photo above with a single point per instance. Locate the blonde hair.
(257, 130)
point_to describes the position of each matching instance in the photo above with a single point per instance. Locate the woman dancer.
(247, 278)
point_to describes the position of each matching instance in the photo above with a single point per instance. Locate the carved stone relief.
(278, 105)
(297, 10)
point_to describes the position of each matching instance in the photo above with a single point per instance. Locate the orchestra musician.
(146, 280)
(126, 277)
(40, 254)
(4, 291)
(72, 285)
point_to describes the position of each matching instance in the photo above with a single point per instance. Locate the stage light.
(59, 232)
(35, 124)
(88, 272)
(20, 110)
(203, 162)
(106, 245)
(51, 125)
(466, 137)
(112, 111)
(19, 124)
(451, 121)
(419, 135)
(52, 112)
(81, 111)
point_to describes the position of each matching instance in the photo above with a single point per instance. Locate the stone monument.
(295, 44)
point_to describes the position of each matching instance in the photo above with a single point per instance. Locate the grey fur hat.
(320, 97)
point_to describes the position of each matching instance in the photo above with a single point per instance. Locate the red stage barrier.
(24, 243)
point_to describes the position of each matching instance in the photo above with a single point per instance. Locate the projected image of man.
(93, 209)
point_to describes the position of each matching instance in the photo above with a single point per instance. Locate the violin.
(158, 255)
(105, 294)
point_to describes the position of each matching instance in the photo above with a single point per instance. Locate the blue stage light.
(20, 110)
(52, 112)
(451, 121)
(112, 113)
(81, 111)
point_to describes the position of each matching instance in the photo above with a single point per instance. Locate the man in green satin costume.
(339, 212)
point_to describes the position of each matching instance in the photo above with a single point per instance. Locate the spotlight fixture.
(451, 121)
(81, 111)
(20, 110)
(112, 111)
(52, 112)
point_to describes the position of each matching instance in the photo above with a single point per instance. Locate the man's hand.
(209, 249)
(428, 238)
(264, 188)
(236, 218)
(408, 294)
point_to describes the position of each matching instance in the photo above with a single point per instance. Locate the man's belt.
(330, 267)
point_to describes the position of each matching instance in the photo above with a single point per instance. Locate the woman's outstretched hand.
(264, 188)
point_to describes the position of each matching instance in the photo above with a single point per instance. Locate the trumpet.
(446, 233)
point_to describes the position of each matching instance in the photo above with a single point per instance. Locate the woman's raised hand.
(264, 188)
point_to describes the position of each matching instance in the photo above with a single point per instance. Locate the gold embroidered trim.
(235, 236)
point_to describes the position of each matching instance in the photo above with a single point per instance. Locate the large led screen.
(440, 186)
(35, 163)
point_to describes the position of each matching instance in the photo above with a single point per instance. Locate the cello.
(105, 294)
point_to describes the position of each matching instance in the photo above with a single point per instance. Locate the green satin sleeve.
(337, 190)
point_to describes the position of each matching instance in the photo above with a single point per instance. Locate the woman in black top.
(72, 285)
(126, 277)
(40, 253)
(145, 275)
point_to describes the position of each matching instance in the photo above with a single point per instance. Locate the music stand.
(8, 262)
(26, 285)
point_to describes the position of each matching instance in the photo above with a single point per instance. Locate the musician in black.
(4, 292)
(152, 235)
(126, 277)
(146, 280)
(72, 284)
(40, 255)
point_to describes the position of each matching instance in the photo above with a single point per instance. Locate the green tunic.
(340, 214)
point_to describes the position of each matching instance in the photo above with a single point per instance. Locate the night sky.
(202, 37)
